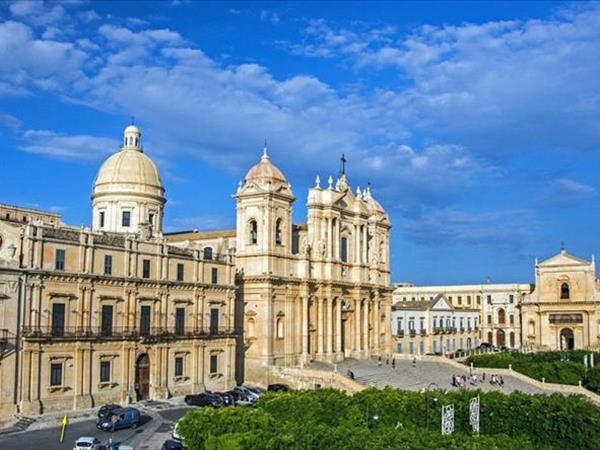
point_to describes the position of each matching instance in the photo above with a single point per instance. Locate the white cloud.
(82, 147)
(270, 16)
(37, 12)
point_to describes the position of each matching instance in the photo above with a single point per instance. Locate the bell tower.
(264, 220)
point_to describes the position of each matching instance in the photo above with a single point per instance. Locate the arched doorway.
(468, 343)
(567, 340)
(500, 338)
(142, 377)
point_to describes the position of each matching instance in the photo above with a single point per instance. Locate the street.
(155, 428)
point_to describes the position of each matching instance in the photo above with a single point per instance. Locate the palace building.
(122, 311)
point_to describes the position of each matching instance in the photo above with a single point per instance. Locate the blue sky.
(477, 124)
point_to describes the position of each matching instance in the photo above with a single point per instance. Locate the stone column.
(305, 320)
(376, 343)
(357, 326)
(339, 325)
(329, 328)
(365, 332)
(320, 324)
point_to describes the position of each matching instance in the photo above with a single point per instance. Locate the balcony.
(412, 332)
(400, 333)
(34, 333)
(423, 331)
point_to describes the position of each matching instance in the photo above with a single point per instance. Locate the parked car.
(255, 389)
(175, 433)
(204, 399)
(120, 418)
(107, 410)
(248, 394)
(172, 445)
(226, 398)
(88, 443)
(278, 387)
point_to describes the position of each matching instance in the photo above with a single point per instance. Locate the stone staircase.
(21, 424)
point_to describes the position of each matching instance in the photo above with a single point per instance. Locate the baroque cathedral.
(121, 311)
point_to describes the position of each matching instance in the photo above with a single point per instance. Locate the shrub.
(328, 419)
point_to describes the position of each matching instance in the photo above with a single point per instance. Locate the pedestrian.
(393, 363)
(483, 376)
(501, 382)
(379, 362)
(137, 392)
(414, 361)
(387, 361)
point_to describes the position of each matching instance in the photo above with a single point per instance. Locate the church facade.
(563, 311)
(121, 311)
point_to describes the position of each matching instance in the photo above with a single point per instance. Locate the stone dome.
(128, 193)
(129, 168)
(265, 171)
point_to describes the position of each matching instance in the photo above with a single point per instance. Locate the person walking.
(414, 361)
(393, 363)
(379, 362)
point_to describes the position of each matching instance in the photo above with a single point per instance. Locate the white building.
(433, 326)
(497, 306)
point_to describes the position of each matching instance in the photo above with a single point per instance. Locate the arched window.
(207, 253)
(253, 234)
(501, 316)
(278, 233)
(512, 339)
(344, 249)
(564, 291)
(251, 327)
(280, 328)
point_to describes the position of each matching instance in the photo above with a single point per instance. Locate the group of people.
(461, 381)
(387, 362)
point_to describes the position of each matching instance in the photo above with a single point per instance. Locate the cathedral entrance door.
(500, 339)
(142, 377)
(567, 340)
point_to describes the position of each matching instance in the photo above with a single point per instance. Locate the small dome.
(132, 129)
(265, 171)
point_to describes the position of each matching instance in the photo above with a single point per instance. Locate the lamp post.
(427, 401)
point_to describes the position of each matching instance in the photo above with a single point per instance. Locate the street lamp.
(428, 400)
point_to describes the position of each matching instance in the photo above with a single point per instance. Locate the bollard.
(579, 383)
(510, 367)
(543, 379)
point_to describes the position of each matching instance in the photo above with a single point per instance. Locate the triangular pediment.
(441, 302)
(564, 259)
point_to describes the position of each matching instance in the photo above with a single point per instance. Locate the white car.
(87, 443)
(175, 434)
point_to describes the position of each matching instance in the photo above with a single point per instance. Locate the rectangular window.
(151, 219)
(214, 275)
(479, 299)
(214, 364)
(214, 320)
(179, 366)
(145, 316)
(107, 320)
(489, 299)
(422, 348)
(126, 219)
(511, 298)
(411, 348)
(59, 259)
(459, 300)
(399, 324)
(102, 219)
(58, 319)
(180, 272)
(399, 347)
(146, 268)
(179, 321)
(107, 264)
(56, 374)
(344, 250)
(468, 299)
(104, 371)
(489, 319)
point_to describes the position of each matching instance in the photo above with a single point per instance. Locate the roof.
(191, 235)
(129, 167)
(564, 259)
(265, 172)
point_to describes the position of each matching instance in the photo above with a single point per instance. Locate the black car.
(172, 445)
(107, 410)
(228, 399)
(204, 399)
(278, 387)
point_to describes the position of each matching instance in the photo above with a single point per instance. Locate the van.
(120, 418)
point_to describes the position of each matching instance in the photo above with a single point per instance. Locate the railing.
(35, 332)
(412, 333)
(400, 333)
(423, 331)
